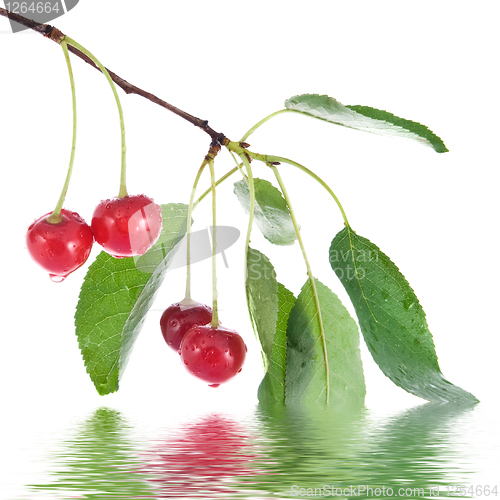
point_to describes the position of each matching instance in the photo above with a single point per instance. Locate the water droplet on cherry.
(57, 279)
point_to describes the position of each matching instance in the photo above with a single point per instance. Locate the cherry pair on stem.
(124, 227)
(213, 354)
(208, 350)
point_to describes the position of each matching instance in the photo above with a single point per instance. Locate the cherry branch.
(57, 36)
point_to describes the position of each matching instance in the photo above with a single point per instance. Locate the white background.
(435, 215)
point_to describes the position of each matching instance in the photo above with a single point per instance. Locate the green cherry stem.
(279, 159)
(191, 207)
(309, 273)
(264, 120)
(215, 309)
(123, 175)
(55, 217)
(219, 181)
(251, 185)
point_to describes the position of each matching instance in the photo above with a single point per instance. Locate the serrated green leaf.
(306, 371)
(272, 214)
(115, 298)
(269, 305)
(364, 118)
(391, 318)
(272, 387)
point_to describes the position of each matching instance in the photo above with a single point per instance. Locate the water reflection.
(339, 450)
(272, 455)
(98, 462)
(201, 460)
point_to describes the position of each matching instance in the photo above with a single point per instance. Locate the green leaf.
(272, 214)
(115, 298)
(364, 118)
(391, 318)
(306, 371)
(272, 387)
(269, 305)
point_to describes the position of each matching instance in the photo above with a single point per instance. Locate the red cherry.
(178, 318)
(213, 354)
(127, 226)
(60, 248)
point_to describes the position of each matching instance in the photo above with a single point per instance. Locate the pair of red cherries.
(215, 355)
(127, 227)
(124, 227)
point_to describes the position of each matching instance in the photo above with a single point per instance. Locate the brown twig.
(56, 35)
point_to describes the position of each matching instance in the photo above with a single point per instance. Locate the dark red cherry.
(178, 318)
(60, 248)
(213, 354)
(128, 226)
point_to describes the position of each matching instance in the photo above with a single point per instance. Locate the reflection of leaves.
(341, 449)
(97, 462)
(287, 446)
(416, 443)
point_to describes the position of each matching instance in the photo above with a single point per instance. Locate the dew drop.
(408, 303)
(240, 370)
(108, 205)
(57, 279)
(213, 385)
(185, 362)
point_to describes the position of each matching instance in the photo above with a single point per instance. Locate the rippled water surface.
(276, 453)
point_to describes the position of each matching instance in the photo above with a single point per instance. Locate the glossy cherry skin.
(128, 226)
(178, 318)
(60, 248)
(215, 355)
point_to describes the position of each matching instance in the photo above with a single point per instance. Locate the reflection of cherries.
(60, 248)
(127, 226)
(213, 354)
(178, 318)
(202, 460)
